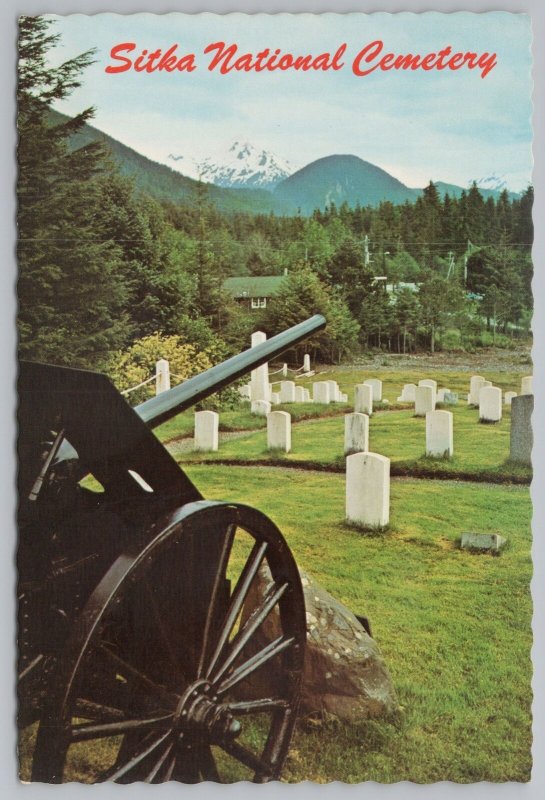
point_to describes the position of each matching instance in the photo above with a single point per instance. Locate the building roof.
(253, 286)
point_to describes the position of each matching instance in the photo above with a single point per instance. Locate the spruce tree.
(70, 300)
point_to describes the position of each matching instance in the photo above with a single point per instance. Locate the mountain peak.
(241, 165)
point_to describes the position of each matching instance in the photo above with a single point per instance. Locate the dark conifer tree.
(70, 301)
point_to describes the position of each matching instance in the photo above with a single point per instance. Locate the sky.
(453, 126)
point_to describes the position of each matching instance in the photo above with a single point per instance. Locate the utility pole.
(366, 259)
(450, 263)
(466, 256)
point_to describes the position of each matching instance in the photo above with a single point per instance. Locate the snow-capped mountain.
(496, 183)
(241, 165)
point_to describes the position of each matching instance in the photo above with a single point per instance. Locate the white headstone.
(363, 399)
(343, 397)
(508, 397)
(320, 392)
(333, 391)
(526, 385)
(356, 433)
(287, 392)
(376, 386)
(299, 394)
(260, 407)
(275, 398)
(206, 430)
(490, 404)
(424, 400)
(368, 489)
(306, 396)
(279, 431)
(475, 385)
(245, 391)
(162, 376)
(439, 437)
(441, 395)
(433, 385)
(259, 379)
(407, 393)
(306, 363)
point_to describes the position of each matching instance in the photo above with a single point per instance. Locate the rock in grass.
(345, 674)
(482, 541)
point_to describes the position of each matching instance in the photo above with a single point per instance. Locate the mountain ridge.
(336, 178)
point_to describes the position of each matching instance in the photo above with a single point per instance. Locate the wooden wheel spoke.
(88, 709)
(212, 608)
(258, 616)
(257, 706)
(128, 671)
(207, 764)
(93, 730)
(255, 662)
(151, 776)
(239, 595)
(170, 765)
(120, 772)
(245, 756)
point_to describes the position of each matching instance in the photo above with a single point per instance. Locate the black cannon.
(141, 648)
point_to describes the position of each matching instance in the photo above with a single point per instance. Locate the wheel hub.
(199, 712)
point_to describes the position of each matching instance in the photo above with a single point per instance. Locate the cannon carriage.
(141, 648)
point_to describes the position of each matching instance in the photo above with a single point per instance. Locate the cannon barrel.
(166, 405)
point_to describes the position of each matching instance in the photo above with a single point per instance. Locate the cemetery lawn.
(481, 452)
(454, 627)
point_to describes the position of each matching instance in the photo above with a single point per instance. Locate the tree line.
(103, 266)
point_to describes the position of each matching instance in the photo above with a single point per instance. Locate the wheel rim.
(180, 668)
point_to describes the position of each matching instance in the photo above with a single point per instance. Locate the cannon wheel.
(172, 672)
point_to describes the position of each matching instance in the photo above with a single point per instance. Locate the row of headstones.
(439, 438)
(322, 392)
(488, 398)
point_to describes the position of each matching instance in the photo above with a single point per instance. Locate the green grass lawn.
(453, 627)
(480, 451)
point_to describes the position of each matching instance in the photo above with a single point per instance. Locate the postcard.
(275, 398)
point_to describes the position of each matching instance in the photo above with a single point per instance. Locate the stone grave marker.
(407, 393)
(259, 377)
(490, 404)
(482, 541)
(333, 391)
(206, 431)
(522, 438)
(261, 407)
(376, 386)
(287, 392)
(363, 399)
(279, 431)
(508, 397)
(368, 490)
(424, 400)
(356, 433)
(439, 436)
(526, 385)
(475, 384)
(320, 392)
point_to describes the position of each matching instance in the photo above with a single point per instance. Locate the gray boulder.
(345, 674)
